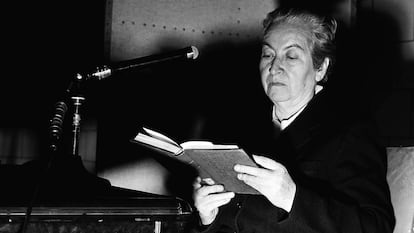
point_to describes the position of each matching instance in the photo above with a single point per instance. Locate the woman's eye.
(291, 56)
(267, 55)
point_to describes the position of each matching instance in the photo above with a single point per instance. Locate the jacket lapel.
(307, 126)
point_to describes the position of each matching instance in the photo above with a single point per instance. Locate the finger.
(213, 201)
(197, 183)
(219, 196)
(207, 181)
(252, 181)
(267, 162)
(206, 190)
(248, 178)
(207, 207)
(254, 171)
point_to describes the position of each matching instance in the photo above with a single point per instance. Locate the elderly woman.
(324, 172)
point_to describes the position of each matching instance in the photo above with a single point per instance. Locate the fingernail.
(239, 176)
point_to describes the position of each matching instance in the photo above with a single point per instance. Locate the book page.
(205, 145)
(160, 144)
(160, 136)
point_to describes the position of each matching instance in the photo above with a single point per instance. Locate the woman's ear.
(321, 72)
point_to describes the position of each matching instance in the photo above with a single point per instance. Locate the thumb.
(266, 162)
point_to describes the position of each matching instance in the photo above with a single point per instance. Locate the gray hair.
(322, 29)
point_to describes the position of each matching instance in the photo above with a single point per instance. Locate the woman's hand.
(273, 181)
(208, 196)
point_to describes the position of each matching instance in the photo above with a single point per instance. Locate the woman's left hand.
(273, 181)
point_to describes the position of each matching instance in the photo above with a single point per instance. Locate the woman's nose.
(275, 67)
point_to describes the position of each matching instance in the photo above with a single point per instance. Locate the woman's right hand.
(208, 197)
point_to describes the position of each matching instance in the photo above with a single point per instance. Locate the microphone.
(56, 123)
(107, 70)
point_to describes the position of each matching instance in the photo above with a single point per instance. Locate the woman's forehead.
(282, 34)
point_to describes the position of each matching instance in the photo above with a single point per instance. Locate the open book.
(211, 160)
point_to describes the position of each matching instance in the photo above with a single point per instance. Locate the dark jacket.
(340, 174)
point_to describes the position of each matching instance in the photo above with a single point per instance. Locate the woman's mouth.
(277, 84)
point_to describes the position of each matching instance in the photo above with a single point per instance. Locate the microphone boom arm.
(105, 71)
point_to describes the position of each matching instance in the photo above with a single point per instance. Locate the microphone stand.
(75, 89)
(77, 102)
(56, 128)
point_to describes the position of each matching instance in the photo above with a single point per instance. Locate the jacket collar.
(306, 126)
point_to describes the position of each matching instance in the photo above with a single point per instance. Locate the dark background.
(45, 44)
(215, 97)
(218, 97)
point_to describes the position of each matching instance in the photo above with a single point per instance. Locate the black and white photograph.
(214, 116)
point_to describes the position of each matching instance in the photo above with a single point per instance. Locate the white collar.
(285, 122)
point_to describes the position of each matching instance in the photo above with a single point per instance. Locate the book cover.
(211, 160)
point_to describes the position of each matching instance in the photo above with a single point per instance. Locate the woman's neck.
(283, 113)
(285, 110)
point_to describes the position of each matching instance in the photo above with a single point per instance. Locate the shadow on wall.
(208, 98)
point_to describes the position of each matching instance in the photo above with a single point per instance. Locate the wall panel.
(140, 28)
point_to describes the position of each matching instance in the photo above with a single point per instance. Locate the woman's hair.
(321, 28)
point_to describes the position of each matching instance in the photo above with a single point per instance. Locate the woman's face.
(286, 67)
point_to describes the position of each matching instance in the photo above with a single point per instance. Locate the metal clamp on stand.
(75, 92)
(76, 123)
